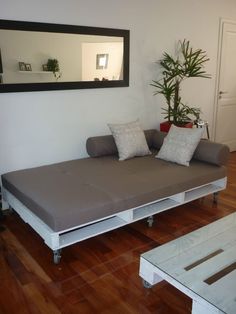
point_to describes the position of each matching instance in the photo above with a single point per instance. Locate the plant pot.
(165, 126)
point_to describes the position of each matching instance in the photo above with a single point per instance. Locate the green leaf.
(188, 63)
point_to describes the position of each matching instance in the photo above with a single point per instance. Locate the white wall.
(45, 127)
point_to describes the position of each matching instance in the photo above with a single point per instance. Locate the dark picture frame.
(102, 61)
(22, 66)
(28, 67)
(45, 67)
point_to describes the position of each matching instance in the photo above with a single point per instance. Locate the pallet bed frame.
(58, 240)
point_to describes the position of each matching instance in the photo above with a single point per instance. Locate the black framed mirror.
(42, 56)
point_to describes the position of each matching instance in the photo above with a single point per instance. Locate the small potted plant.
(187, 63)
(53, 65)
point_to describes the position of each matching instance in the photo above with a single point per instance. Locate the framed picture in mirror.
(22, 66)
(28, 67)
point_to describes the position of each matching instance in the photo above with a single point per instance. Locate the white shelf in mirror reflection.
(36, 72)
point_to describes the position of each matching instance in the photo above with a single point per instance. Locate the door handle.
(221, 93)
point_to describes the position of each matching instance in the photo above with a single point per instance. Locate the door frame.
(218, 67)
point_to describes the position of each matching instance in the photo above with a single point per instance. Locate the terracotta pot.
(165, 126)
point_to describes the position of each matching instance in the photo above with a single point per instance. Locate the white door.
(225, 127)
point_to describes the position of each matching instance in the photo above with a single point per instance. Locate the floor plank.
(100, 275)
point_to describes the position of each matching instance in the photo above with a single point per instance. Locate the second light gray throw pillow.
(180, 144)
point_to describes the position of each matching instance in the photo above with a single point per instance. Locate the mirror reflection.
(26, 57)
(43, 56)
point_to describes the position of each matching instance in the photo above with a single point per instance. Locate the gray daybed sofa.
(74, 200)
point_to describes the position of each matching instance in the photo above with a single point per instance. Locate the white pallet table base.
(201, 264)
(152, 276)
(58, 240)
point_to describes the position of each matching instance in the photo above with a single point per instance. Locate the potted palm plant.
(187, 63)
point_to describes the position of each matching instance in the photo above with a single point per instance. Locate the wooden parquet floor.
(100, 275)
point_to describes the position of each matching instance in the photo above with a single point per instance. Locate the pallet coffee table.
(201, 264)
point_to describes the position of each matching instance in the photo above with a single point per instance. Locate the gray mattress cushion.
(72, 193)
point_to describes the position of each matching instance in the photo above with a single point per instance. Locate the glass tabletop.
(203, 261)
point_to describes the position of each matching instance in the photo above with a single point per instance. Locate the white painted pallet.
(202, 264)
(58, 240)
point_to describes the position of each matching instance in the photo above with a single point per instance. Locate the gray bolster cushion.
(214, 153)
(207, 151)
(98, 146)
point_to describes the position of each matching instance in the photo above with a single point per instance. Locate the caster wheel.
(56, 256)
(150, 221)
(146, 284)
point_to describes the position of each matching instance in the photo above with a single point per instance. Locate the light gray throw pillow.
(179, 144)
(130, 140)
